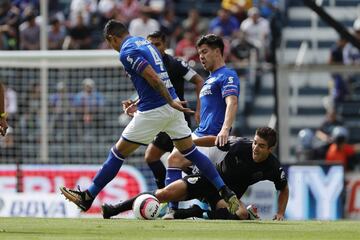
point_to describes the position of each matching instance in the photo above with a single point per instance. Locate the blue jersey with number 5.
(221, 83)
(136, 54)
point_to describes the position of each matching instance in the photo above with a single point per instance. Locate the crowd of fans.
(79, 25)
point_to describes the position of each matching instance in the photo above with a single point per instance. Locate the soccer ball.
(146, 206)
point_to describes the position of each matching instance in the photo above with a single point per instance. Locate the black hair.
(268, 134)
(213, 41)
(115, 28)
(158, 34)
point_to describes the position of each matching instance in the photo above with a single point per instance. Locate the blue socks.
(205, 166)
(173, 174)
(107, 173)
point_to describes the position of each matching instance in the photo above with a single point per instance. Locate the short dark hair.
(269, 134)
(213, 41)
(115, 28)
(158, 34)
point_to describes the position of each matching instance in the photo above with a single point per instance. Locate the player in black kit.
(179, 72)
(241, 163)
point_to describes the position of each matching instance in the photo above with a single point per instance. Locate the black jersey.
(239, 170)
(178, 71)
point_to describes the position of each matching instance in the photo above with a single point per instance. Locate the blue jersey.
(221, 83)
(136, 54)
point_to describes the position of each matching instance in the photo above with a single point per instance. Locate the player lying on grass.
(240, 163)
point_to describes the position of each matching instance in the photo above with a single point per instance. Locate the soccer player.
(218, 104)
(3, 123)
(179, 72)
(158, 110)
(241, 163)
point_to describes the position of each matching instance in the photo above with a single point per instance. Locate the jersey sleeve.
(280, 179)
(183, 68)
(230, 85)
(134, 61)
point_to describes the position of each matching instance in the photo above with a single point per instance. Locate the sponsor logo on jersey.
(142, 42)
(210, 80)
(206, 90)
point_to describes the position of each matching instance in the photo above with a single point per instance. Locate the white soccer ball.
(146, 206)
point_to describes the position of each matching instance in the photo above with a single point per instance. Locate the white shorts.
(213, 153)
(145, 125)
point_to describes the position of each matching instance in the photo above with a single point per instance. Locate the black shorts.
(163, 141)
(199, 187)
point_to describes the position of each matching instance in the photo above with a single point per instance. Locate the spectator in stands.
(308, 148)
(257, 30)
(85, 8)
(224, 24)
(89, 105)
(155, 7)
(29, 32)
(340, 151)
(266, 7)
(107, 9)
(195, 23)
(170, 25)
(9, 24)
(127, 10)
(61, 112)
(331, 121)
(30, 120)
(186, 48)
(22, 5)
(143, 25)
(240, 48)
(336, 51)
(79, 35)
(56, 34)
(351, 56)
(351, 53)
(338, 87)
(238, 8)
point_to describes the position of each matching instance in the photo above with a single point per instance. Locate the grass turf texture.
(74, 229)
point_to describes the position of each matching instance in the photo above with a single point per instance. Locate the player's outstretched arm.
(153, 79)
(282, 202)
(206, 141)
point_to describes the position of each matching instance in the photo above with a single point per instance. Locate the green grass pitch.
(74, 229)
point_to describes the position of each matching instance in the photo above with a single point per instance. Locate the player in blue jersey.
(218, 105)
(159, 109)
(179, 72)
